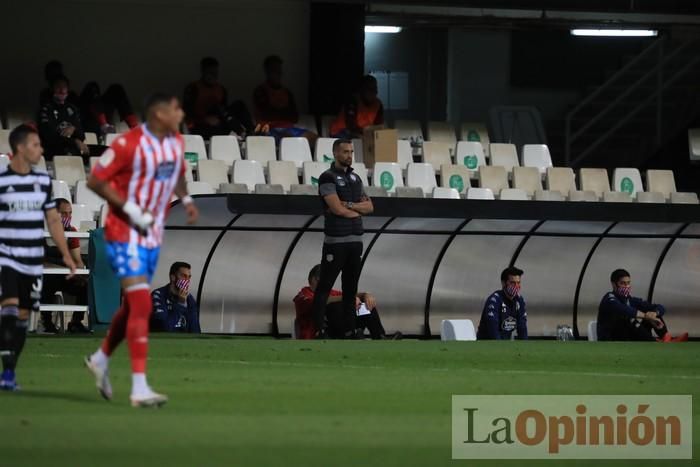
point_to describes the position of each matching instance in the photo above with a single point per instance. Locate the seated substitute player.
(504, 311)
(367, 316)
(360, 111)
(275, 107)
(174, 307)
(622, 317)
(60, 126)
(75, 286)
(25, 200)
(137, 176)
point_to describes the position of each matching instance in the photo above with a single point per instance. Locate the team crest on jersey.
(165, 171)
(340, 181)
(508, 324)
(134, 264)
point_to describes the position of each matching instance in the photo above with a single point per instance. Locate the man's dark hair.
(59, 79)
(270, 61)
(368, 80)
(60, 201)
(618, 274)
(208, 62)
(510, 271)
(19, 135)
(52, 68)
(175, 267)
(315, 272)
(339, 141)
(157, 98)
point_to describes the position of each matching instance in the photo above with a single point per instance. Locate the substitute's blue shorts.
(132, 261)
(293, 132)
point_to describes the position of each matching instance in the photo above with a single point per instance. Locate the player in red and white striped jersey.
(137, 176)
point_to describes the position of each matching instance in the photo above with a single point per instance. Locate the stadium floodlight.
(383, 29)
(615, 32)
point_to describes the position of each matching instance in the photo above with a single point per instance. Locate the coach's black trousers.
(345, 258)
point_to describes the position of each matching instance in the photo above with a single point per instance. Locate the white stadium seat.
(308, 190)
(409, 192)
(684, 198)
(70, 169)
(445, 193)
(480, 193)
(283, 173)
(442, 132)
(437, 153)
(527, 179)
(537, 155)
(80, 214)
(616, 197)
(513, 194)
(261, 149)
(585, 196)
(455, 176)
(470, 154)
(89, 198)
(195, 143)
(595, 180)
(90, 138)
(4, 161)
(546, 195)
(361, 171)
(404, 153)
(214, 172)
(475, 131)
(312, 172)
(494, 178)
(295, 150)
(262, 189)
(409, 129)
(650, 197)
(60, 189)
(5, 142)
(627, 180)
(561, 179)
(421, 175)
(324, 150)
(200, 188)
(110, 137)
(387, 175)
(225, 148)
(457, 330)
(661, 181)
(247, 172)
(504, 155)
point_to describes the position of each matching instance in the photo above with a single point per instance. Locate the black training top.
(348, 186)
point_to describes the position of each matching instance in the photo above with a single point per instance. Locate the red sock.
(131, 120)
(101, 119)
(117, 330)
(140, 305)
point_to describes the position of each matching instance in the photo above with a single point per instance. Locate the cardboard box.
(380, 145)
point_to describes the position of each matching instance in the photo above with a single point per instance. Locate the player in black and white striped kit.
(25, 199)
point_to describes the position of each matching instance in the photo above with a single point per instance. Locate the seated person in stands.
(75, 286)
(174, 308)
(96, 108)
(275, 108)
(60, 127)
(362, 110)
(366, 309)
(504, 311)
(205, 103)
(622, 317)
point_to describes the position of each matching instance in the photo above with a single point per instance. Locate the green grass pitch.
(249, 402)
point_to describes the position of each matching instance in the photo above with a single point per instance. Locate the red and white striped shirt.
(145, 171)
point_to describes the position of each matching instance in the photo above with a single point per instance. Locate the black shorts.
(27, 289)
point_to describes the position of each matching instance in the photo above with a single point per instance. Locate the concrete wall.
(150, 44)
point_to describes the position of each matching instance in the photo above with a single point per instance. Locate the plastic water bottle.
(564, 333)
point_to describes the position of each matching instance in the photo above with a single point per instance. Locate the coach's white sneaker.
(148, 399)
(101, 373)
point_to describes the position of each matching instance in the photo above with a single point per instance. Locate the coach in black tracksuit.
(345, 202)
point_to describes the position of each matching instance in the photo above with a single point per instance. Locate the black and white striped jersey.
(23, 201)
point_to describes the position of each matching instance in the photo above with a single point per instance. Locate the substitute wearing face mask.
(504, 311)
(623, 317)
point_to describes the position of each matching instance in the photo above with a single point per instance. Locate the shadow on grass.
(64, 396)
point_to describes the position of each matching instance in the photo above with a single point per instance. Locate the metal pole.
(659, 92)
